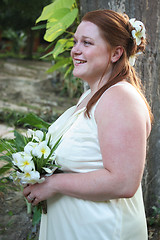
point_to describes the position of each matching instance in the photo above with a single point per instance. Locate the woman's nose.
(77, 49)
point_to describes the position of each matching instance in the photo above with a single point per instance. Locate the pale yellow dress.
(70, 218)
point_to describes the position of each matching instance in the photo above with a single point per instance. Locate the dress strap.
(119, 83)
(83, 96)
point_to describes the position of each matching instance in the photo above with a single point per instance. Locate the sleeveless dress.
(70, 218)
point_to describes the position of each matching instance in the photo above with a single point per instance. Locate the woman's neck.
(96, 84)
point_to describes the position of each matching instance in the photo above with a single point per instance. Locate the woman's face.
(90, 53)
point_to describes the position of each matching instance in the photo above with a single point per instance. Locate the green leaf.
(36, 215)
(49, 46)
(60, 63)
(54, 148)
(62, 45)
(48, 54)
(6, 158)
(58, 15)
(5, 168)
(39, 27)
(2, 146)
(69, 70)
(20, 141)
(55, 27)
(53, 7)
(4, 143)
(7, 146)
(34, 121)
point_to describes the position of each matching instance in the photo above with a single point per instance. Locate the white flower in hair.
(139, 31)
(132, 58)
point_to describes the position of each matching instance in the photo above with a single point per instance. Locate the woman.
(102, 153)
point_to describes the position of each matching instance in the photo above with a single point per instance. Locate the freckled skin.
(92, 49)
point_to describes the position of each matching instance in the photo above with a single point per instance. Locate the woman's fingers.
(29, 198)
(26, 191)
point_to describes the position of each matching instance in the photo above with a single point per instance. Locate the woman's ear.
(116, 54)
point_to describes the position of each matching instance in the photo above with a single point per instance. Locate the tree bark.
(148, 68)
(30, 40)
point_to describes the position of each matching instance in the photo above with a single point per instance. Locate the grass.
(10, 117)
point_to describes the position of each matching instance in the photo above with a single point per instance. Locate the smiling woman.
(102, 153)
(90, 53)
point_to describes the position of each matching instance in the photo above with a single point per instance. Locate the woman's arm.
(121, 117)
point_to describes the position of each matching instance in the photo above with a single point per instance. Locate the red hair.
(116, 29)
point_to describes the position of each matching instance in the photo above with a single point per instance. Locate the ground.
(24, 87)
(15, 223)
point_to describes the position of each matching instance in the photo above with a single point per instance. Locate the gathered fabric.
(70, 218)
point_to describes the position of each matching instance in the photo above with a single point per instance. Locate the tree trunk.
(148, 68)
(30, 40)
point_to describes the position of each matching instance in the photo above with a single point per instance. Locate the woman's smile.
(78, 61)
(90, 53)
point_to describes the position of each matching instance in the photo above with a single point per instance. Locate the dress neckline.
(85, 94)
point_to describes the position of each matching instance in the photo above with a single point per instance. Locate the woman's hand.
(39, 192)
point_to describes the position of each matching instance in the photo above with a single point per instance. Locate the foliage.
(11, 117)
(60, 16)
(8, 146)
(33, 120)
(17, 38)
(19, 141)
(155, 218)
(19, 14)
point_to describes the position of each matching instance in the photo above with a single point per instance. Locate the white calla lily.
(38, 135)
(42, 149)
(16, 158)
(30, 148)
(30, 177)
(30, 133)
(38, 155)
(25, 163)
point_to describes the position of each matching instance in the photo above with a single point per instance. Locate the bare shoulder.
(122, 104)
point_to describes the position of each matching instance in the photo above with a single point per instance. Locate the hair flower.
(132, 58)
(139, 31)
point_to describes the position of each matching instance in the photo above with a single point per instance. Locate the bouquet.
(31, 157)
(36, 160)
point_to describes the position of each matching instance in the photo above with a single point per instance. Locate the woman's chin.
(76, 74)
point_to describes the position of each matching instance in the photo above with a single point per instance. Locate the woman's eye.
(86, 43)
(74, 42)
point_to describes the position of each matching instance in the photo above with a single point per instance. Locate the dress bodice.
(70, 218)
